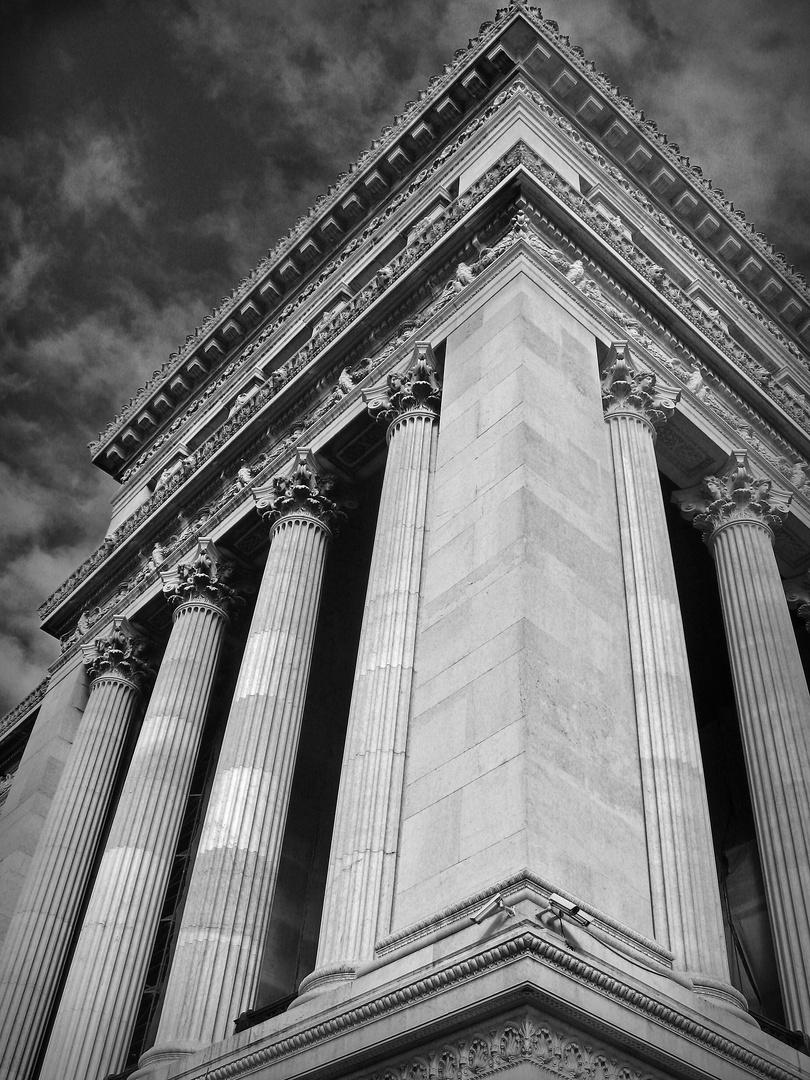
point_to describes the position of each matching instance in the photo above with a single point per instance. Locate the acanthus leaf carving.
(204, 577)
(416, 389)
(736, 495)
(122, 655)
(524, 1039)
(304, 492)
(628, 389)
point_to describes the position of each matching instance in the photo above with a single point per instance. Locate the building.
(437, 704)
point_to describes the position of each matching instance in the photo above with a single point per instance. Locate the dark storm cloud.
(151, 153)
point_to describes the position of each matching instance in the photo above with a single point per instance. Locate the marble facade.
(380, 745)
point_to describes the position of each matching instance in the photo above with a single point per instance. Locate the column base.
(157, 1057)
(722, 994)
(325, 978)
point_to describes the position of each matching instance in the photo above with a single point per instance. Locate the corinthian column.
(359, 883)
(687, 917)
(99, 1004)
(225, 921)
(737, 513)
(42, 927)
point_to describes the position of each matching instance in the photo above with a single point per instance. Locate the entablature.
(326, 369)
(520, 38)
(16, 724)
(713, 416)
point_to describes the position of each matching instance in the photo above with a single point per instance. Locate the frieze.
(590, 214)
(520, 154)
(521, 1038)
(462, 276)
(696, 377)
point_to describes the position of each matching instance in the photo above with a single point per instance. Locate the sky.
(152, 151)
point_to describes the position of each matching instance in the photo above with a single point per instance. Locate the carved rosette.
(735, 496)
(202, 580)
(304, 493)
(415, 390)
(119, 656)
(629, 391)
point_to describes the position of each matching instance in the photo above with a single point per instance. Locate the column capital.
(202, 578)
(120, 655)
(627, 390)
(736, 495)
(302, 493)
(416, 388)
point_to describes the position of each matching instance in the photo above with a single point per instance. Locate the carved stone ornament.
(203, 577)
(416, 389)
(120, 655)
(735, 496)
(797, 594)
(499, 1047)
(304, 492)
(5, 785)
(627, 389)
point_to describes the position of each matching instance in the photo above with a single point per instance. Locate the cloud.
(58, 389)
(100, 172)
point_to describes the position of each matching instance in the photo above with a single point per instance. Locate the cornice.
(649, 131)
(25, 707)
(307, 224)
(519, 157)
(574, 200)
(525, 943)
(479, 50)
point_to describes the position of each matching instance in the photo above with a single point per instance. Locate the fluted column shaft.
(773, 705)
(360, 876)
(41, 930)
(687, 917)
(99, 1005)
(227, 912)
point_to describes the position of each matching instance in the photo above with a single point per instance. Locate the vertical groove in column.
(686, 904)
(773, 705)
(359, 880)
(97, 1014)
(227, 911)
(44, 922)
